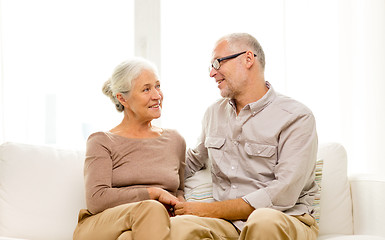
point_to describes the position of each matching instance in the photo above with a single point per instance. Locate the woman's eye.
(157, 86)
(146, 89)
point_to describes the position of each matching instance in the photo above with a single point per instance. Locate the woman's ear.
(121, 99)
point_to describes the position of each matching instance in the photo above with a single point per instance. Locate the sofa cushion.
(336, 205)
(41, 191)
(317, 199)
(199, 187)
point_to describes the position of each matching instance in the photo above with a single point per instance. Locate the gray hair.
(239, 41)
(123, 76)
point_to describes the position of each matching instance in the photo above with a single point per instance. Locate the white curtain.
(328, 54)
(55, 56)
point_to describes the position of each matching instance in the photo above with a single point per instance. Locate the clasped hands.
(178, 205)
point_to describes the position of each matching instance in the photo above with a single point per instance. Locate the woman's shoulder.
(100, 138)
(173, 133)
(98, 135)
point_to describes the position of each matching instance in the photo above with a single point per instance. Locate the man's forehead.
(220, 49)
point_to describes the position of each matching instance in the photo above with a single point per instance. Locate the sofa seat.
(42, 190)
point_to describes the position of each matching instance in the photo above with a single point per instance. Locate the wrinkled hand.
(200, 209)
(162, 196)
(166, 198)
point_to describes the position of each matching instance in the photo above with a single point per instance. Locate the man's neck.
(252, 94)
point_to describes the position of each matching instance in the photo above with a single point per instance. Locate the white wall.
(329, 54)
(1, 83)
(56, 56)
(362, 81)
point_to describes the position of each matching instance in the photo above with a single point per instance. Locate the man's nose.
(213, 72)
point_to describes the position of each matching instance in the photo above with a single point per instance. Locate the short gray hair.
(122, 77)
(239, 41)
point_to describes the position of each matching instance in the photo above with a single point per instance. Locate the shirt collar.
(259, 105)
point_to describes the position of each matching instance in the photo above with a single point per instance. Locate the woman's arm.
(100, 194)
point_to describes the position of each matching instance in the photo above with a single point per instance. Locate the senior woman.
(134, 173)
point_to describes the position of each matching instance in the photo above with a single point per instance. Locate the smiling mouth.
(220, 81)
(155, 106)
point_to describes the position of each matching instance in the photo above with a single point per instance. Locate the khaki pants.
(262, 224)
(139, 221)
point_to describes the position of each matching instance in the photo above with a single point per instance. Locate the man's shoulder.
(218, 109)
(291, 105)
(219, 104)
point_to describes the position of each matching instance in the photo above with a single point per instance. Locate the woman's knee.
(152, 204)
(152, 207)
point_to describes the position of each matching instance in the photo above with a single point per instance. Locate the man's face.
(228, 76)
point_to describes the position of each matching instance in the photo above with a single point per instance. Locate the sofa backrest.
(41, 191)
(336, 215)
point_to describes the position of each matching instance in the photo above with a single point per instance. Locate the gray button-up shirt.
(266, 155)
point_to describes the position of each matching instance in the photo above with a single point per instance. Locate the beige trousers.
(262, 224)
(139, 221)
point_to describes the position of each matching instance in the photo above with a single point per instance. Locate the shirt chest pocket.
(215, 148)
(260, 150)
(263, 159)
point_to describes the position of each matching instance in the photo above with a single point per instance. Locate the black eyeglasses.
(216, 64)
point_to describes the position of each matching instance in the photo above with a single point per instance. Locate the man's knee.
(266, 220)
(188, 227)
(192, 227)
(181, 227)
(184, 224)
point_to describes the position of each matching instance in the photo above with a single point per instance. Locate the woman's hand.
(181, 198)
(162, 196)
(166, 198)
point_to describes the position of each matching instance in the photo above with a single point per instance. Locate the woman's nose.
(157, 94)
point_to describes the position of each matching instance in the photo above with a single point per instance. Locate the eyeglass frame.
(219, 60)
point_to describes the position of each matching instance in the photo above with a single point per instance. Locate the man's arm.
(234, 209)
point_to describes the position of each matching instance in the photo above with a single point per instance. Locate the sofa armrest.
(368, 196)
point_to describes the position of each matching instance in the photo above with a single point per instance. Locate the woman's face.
(144, 101)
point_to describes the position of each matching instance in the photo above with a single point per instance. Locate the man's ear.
(250, 59)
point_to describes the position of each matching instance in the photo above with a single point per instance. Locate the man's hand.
(235, 209)
(200, 209)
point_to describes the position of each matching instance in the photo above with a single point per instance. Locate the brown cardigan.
(117, 169)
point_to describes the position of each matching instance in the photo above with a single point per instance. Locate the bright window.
(189, 31)
(56, 56)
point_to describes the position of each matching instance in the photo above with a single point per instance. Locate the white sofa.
(41, 192)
